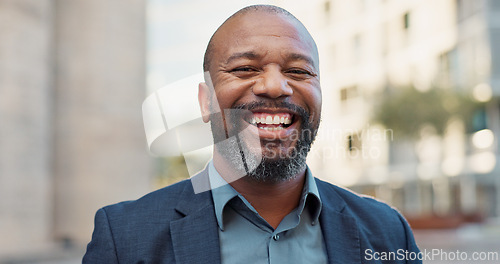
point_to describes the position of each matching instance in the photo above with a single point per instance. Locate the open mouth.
(271, 121)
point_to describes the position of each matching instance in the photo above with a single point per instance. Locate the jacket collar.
(340, 230)
(195, 236)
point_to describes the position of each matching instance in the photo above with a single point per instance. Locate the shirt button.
(276, 237)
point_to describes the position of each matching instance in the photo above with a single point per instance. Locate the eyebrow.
(298, 56)
(251, 55)
(242, 55)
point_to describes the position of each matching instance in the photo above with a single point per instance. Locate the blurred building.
(72, 81)
(369, 48)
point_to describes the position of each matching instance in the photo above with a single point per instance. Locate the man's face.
(267, 64)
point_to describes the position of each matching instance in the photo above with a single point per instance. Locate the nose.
(272, 84)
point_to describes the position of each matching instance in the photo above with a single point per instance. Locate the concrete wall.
(72, 81)
(25, 124)
(100, 152)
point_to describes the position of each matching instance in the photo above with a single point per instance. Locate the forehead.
(263, 32)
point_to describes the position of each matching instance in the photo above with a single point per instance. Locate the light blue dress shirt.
(245, 237)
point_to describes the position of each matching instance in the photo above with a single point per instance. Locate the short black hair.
(253, 8)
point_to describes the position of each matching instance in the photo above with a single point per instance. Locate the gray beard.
(261, 168)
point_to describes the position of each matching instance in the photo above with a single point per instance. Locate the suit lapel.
(195, 237)
(340, 230)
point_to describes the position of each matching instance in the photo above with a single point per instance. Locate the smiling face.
(266, 64)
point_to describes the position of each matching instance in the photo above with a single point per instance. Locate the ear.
(204, 101)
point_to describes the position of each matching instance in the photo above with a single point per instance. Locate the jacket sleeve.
(101, 248)
(413, 255)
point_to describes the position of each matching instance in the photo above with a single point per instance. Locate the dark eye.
(244, 71)
(298, 73)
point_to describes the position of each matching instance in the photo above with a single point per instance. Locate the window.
(358, 48)
(447, 68)
(444, 63)
(406, 28)
(406, 20)
(354, 142)
(327, 7)
(327, 10)
(479, 120)
(348, 93)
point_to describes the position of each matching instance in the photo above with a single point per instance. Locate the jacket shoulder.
(128, 231)
(160, 200)
(374, 216)
(357, 203)
(381, 227)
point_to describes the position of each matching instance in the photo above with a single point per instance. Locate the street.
(463, 245)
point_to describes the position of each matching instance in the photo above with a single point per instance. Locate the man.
(263, 99)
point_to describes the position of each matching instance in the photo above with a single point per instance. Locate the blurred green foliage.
(407, 110)
(170, 170)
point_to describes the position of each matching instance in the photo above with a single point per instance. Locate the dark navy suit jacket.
(175, 225)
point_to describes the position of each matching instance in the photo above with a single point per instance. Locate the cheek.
(229, 92)
(317, 102)
(311, 96)
(317, 98)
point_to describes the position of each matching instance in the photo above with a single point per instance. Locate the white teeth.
(272, 128)
(269, 120)
(276, 120)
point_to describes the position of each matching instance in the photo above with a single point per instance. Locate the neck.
(273, 201)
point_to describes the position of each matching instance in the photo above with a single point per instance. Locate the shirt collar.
(310, 197)
(222, 193)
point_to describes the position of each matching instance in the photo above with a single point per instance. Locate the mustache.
(300, 111)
